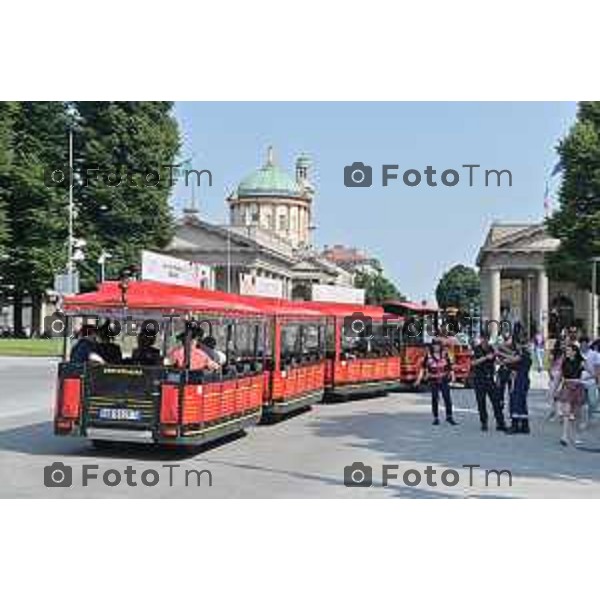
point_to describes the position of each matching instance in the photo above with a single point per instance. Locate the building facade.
(268, 236)
(273, 201)
(515, 285)
(351, 259)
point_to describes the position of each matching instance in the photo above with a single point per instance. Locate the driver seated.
(107, 349)
(86, 349)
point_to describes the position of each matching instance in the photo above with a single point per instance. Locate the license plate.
(119, 414)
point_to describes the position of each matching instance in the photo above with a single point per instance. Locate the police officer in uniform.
(484, 367)
(519, 413)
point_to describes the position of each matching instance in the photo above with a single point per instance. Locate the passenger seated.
(86, 349)
(146, 354)
(108, 350)
(362, 347)
(209, 346)
(199, 360)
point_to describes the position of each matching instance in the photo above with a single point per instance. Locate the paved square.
(303, 456)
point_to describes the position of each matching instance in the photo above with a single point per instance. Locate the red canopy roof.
(152, 295)
(159, 296)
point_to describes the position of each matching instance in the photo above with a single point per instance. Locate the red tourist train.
(266, 358)
(417, 324)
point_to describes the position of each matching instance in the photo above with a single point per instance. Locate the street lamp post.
(104, 255)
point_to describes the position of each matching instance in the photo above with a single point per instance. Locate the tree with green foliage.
(121, 214)
(6, 115)
(7, 110)
(35, 211)
(123, 206)
(458, 288)
(378, 288)
(577, 221)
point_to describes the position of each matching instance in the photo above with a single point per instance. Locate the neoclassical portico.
(516, 287)
(531, 308)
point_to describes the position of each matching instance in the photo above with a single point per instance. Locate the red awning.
(152, 295)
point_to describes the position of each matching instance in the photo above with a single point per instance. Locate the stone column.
(493, 286)
(494, 291)
(542, 303)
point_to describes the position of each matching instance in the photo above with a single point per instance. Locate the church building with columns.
(267, 242)
(516, 287)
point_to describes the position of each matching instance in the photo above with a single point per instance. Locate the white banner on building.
(168, 269)
(337, 293)
(252, 285)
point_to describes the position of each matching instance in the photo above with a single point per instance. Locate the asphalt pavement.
(304, 456)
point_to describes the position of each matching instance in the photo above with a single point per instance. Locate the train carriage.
(154, 404)
(361, 355)
(419, 324)
(296, 355)
(415, 325)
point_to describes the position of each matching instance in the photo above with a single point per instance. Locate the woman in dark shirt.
(437, 369)
(571, 393)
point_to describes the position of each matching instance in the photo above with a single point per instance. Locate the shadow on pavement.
(391, 491)
(408, 436)
(39, 440)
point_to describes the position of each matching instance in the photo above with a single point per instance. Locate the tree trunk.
(18, 314)
(36, 309)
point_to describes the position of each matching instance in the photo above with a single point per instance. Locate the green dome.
(269, 180)
(303, 160)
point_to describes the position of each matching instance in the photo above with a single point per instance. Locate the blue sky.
(417, 232)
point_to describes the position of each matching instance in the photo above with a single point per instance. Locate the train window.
(378, 341)
(244, 340)
(382, 342)
(312, 340)
(302, 342)
(265, 341)
(290, 341)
